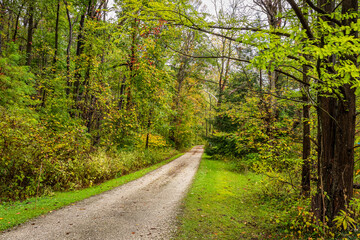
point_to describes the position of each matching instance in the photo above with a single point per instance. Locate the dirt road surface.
(142, 209)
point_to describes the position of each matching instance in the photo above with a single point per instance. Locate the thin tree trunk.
(306, 167)
(122, 92)
(148, 131)
(1, 27)
(56, 33)
(132, 62)
(306, 146)
(79, 51)
(30, 33)
(68, 49)
(17, 23)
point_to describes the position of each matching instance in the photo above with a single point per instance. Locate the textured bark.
(336, 153)
(336, 141)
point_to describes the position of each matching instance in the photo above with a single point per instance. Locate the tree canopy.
(272, 85)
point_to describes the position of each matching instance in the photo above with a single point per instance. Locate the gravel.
(142, 209)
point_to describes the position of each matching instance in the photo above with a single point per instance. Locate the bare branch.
(301, 18)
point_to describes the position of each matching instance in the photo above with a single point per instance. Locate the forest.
(94, 89)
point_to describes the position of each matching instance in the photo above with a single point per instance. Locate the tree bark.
(306, 148)
(17, 23)
(68, 49)
(56, 33)
(336, 140)
(336, 153)
(79, 51)
(132, 63)
(306, 145)
(148, 131)
(30, 33)
(2, 13)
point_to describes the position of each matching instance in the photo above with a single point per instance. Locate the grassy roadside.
(12, 214)
(222, 204)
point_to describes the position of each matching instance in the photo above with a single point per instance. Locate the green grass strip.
(14, 213)
(223, 204)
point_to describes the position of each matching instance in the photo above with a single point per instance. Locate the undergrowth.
(224, 204)
(14, 213)
(289, 214)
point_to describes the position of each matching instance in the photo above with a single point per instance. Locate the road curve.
(142, 209)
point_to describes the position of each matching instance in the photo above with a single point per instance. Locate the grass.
(15, 213)
(223, 204)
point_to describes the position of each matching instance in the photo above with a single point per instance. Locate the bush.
(33, 155)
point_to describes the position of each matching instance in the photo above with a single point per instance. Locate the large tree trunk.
(336, 153)
(336, 141)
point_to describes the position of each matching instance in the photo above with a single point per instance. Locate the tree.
(333, 72)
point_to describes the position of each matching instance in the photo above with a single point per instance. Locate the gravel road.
(142, 209)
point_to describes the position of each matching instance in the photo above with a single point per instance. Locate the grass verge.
(14, 213)
(223, 204)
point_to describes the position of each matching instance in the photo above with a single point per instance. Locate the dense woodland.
(93, 89)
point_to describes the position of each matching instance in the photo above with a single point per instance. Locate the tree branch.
(207, 57)
(292, 76)
(301, 18)
(321, 11)
(251, 29)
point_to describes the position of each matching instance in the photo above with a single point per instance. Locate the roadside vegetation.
(225, 204)
(91, 90)
(14, 213)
